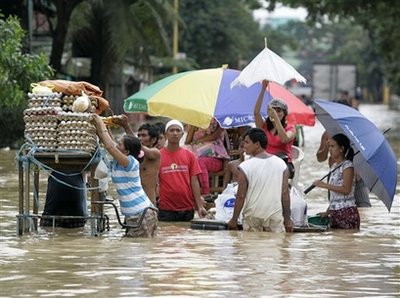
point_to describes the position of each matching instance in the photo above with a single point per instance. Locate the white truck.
(330, 79)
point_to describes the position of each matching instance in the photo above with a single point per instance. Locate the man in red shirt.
(179, 188)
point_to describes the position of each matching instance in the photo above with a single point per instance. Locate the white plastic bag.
(102, 174)
(298, 208)
(101, 171)
(225, 203)
(103, 184)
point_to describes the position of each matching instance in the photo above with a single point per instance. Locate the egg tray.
(42, 127)
(45, 120)
(42, 111)
(82, 139)
(46, 144)
(41, 101)
(71, 147)
(68, 100)
(53, 95)
(39, 132)
(52, 129)
(38, 103)
(73, 116)
(76, 132)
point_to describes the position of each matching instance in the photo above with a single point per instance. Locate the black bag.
(285, 158)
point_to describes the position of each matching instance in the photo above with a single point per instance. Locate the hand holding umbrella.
(273, 115)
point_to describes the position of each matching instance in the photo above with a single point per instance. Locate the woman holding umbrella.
(280, 134)
(342, 208)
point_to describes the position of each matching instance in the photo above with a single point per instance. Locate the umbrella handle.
(308, 189)
(312, 186)
(330, 172)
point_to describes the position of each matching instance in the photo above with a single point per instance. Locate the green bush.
(12, 125)
(17, 71)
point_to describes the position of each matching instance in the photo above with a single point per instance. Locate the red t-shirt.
(176, 169)
(275, 145)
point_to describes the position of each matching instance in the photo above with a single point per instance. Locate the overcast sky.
(280, 12)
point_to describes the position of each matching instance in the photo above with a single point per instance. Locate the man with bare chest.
(148, 136)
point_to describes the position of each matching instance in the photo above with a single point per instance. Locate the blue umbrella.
(376, 162)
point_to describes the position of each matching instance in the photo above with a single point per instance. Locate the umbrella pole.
(312, 186)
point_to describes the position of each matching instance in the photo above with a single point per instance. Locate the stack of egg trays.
(41, 120)
(76, 131)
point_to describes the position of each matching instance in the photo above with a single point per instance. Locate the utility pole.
(175, 37)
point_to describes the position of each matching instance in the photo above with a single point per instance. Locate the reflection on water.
(185, 262)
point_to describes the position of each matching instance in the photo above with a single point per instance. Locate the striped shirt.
(132, 198)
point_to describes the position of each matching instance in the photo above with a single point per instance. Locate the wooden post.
(36, 197)
(20, 220)
(175, 40)
(96, 209)
(27, 196)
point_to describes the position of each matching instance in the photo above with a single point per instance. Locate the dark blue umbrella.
(376, 162)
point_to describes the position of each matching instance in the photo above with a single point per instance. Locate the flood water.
(182, 262)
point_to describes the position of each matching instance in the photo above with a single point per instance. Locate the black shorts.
(165, 215)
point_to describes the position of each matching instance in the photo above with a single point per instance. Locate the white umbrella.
(267, 66)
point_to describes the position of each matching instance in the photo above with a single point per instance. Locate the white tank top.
(264, 176)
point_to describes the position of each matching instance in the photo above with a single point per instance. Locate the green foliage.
(380, 19)
(17, 72)
(109, 31)
(338, 42)
(330, 42)
(218, 32)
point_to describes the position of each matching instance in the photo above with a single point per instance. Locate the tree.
(17, 72)
(108, 31)
(378, 18)
(58, 13)
(219, 32)
(337, 42)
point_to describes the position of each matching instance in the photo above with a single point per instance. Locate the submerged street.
(196, 263)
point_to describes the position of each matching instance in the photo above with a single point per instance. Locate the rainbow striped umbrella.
(195, 97)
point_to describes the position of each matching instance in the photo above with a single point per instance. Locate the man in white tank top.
(263, 191)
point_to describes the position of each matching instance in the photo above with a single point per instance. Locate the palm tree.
(113, 30)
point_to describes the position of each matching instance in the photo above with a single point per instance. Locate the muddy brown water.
(181, 262)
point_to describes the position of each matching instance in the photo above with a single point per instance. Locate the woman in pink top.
(208, 146)
(280, 134)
